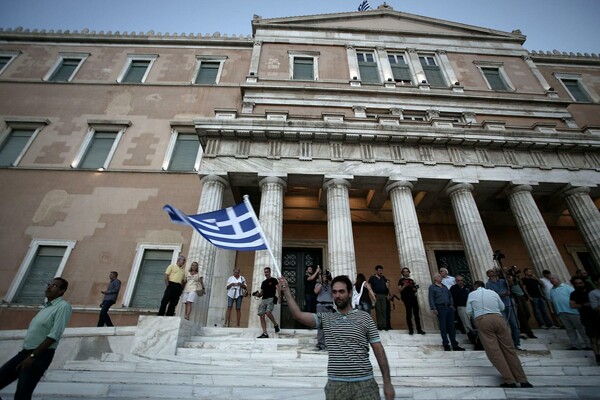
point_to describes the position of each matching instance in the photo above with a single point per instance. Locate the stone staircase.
(230, 363)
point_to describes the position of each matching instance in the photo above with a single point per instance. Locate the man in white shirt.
(486, 307)
(447, 280)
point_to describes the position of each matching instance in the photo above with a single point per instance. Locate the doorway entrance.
(294, 264)
(455, 262)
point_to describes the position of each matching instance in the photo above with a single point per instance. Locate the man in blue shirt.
(510, 313)
(110, 297)
(441, 304)
(560, 294)
(39, 345)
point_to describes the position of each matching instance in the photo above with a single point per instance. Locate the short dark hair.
(405, 268)
(478, 284)
(576, 278)
(546, 272)
(64, 284)
(114, 272)
(344, 279)
(269, 268)
(378, 266)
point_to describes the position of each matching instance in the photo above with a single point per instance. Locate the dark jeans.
(446, 320)
(412, 308)
(29, 378)
(523, 314)
(310, 302)
(540, 312)
(104, 318)
(510, 314)
(170, 298)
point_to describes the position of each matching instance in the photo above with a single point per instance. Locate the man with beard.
(348, 334)
(580, 300)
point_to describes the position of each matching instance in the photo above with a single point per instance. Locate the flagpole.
(262, 234)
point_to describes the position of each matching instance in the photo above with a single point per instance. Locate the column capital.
(336, 181)
(272, 179)
(575, 190)
(390, 187)
(519, 188)
(459, 187)
(214, 178)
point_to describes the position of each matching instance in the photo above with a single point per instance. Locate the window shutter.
(303, 68)
(13, 146)
(98, 150)
(65, 70)
(136, 72)
(434, 75)
(401, 73)
(207, 74)
(185, 153)
(494, 79)
(149, 287)
(368, 72)
(41, 271)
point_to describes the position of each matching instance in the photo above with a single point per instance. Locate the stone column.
(542, 249)
(213, 188)
(342, 260)
(586, 217)
(411, 250)
(271, 220)
(470, 226)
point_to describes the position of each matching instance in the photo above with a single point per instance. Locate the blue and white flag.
(364, 6)
(232, 228)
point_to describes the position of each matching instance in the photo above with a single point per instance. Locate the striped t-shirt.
(348, 337)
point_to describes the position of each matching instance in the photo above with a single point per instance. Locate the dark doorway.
(588, 263)
(295, 261)
(455, 262)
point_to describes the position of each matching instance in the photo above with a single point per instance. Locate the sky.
(564, 25)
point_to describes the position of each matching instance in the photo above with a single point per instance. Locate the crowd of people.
(494, 314)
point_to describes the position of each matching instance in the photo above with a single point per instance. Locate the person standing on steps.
(193, 283)
(324, 304)
(486, 307)
(440, 302)
(268, 290)
(174, 280)
(408, 294)
(348, 333)
(236, 291)
(379, 284)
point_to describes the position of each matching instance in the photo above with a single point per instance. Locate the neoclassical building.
(361, 138)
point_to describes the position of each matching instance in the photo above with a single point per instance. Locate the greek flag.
(232, 228)
(364, 6)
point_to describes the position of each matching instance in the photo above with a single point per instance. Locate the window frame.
(561, 77)
(87, 141)
(137, 57)
(377, 66)
(314, 55)
(437, 64)
(21, 125)
(203, 59)
(137, 263)
(28, 259)
(12, 56)
(404, 56)
(171, 148)
(482, 65)
(60, 62)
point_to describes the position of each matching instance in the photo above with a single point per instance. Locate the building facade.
(361, 138)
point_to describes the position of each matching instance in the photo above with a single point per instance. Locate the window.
(574, 86)
(304, 65)
(209, 71)
(400, 69)
(6, 57)
(433, 73)
(183, 152)
(367, 67)
(14, 146)
(494, 79)
(45, 260)
(145, 285)
(65, 68)
(137, 68)
(98, 147)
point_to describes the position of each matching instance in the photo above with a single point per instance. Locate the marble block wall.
(161, 335)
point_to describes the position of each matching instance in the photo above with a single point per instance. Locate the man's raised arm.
(304, 318)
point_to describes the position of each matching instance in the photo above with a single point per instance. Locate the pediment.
(384, 21)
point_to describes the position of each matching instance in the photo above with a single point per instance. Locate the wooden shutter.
(303, 68)
(150, 286)
(185, 153)
(13, 146)
(41, 271)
